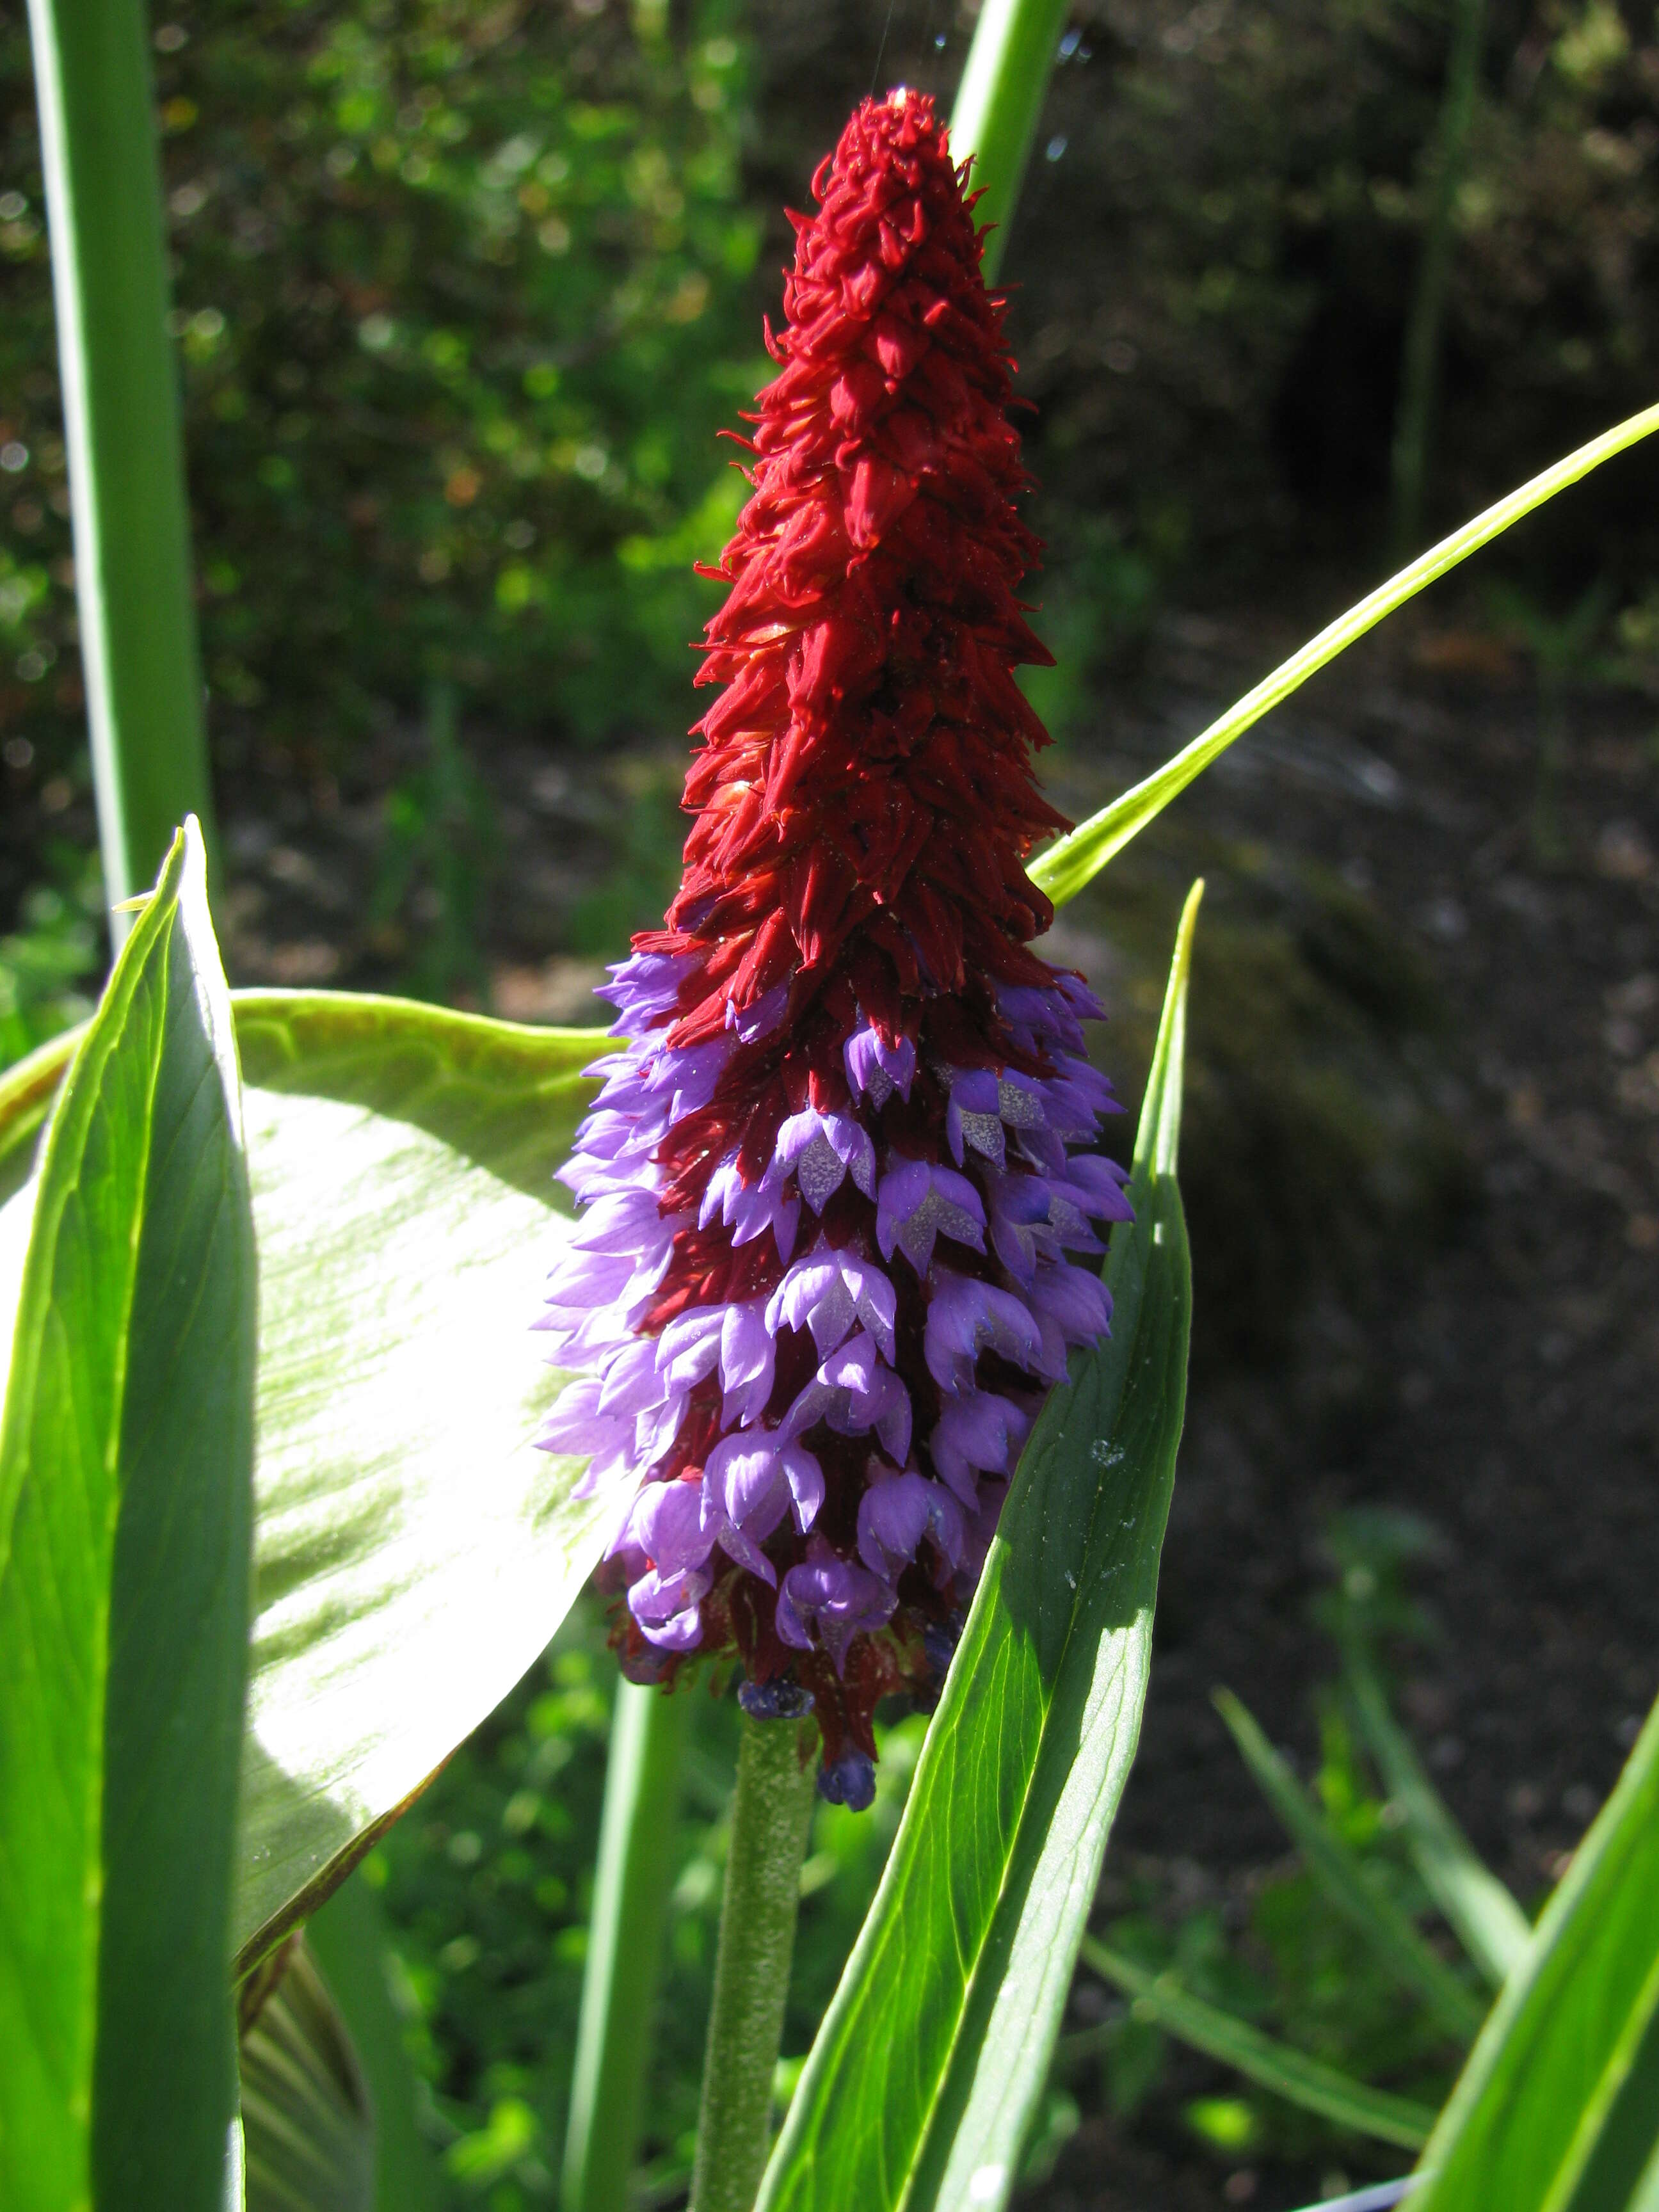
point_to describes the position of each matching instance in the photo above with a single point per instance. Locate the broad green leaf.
(1288, 2073)
(1491, 1926)
(27, 1092)
(413, 1550)
(920, 2086)
(1074, 861)
(1558, 2109)
(350, 1942)
(126, 1455)
(1390, 1930)
(308, 2125)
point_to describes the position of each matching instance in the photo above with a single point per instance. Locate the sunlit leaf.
(1558, 2109)
(925, 2076)
(413, 1550)
(125, 1456)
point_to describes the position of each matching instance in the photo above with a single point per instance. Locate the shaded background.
(464, 294)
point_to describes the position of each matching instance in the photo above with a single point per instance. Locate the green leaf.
(125, 1454)
(930, 2063)
(349, 1942)
(413, 1550)
(308, 2125)
(1491, 1926)
(1558, 2109)
(1074, 861)
(1390, 1930)
(1160, 2001)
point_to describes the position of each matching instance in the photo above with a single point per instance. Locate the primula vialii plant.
(843, 1148)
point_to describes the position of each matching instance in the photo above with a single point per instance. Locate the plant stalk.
(624, 1947)
(1420, 364)
(999, 103)
(770, 1814)
(121, 418)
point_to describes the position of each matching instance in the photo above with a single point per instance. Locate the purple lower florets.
(811, 1470)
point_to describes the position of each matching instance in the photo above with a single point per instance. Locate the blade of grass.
(1389, 1931)
(1272, 2065)
(121, 419)
(1488, 1922)
(1556, 2110)
(624, 1947)
(920, 2087)
(999, 103)
(1074, 861)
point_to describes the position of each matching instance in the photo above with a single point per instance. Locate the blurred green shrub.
(461, 298)
(58, 945)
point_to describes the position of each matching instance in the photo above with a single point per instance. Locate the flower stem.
(770, 1814)
(630, 1898)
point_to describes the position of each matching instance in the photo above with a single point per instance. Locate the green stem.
(770, 1814)
(1420, 366)
(624, 1947)
(122, 420)
(999, 103)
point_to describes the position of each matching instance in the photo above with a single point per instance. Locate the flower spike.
(839, 1162)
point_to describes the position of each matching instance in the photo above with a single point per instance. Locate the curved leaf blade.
(125, 1456)
(1556, 2110)
(921, 2083)
(308, 2132)
(1274, 2066)
(413, 1550)
(1394, 1938)
(1488, 1922)
(1075, 860)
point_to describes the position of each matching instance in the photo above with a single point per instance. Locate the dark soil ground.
(1422, 1160)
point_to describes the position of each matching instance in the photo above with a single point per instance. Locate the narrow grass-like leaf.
(351, 1943)
(307, 2124)
(1558, 2109)
(1075, 859)
(1398, 1947)
(631, 1882)
(920, 2088)
(413, 1550)
(126, 1455)
(1272, 2065)
(999, 104)
(1488, 1922)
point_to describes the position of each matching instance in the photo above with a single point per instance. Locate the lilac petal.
(762, 1016)
(689, 1347)
(919, 1201)
(895, 1515)
(849, 1780)
(1101, 1181)
(830, 1595)
(823, 1149)
(972, 1116)
(747, 1356)
(1077, 1301)
(965, 1316)
(854, 1392)
(750, 1209)
(828, 1292)
(654, 1431)
(665, 1607)
(978, 1432)
(666, 1523)
(875, 1069)
(632, 1384)
(744, 1483)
